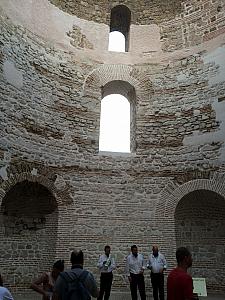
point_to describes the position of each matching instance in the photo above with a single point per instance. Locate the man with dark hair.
(76, 283)
(45, 283)
(157, 265)
(135, 272)
(179, 282)
(106, 265)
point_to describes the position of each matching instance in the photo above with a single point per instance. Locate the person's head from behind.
(107, 250)
(77, 257)
(184, 257)
(134, 250)
(58, 267)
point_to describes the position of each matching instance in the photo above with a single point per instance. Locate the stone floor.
(35, 296)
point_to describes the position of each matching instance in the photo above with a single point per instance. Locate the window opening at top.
(115, 124)
(116, 41)
(120, 22)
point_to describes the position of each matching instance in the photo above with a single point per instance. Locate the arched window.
(117, 121)
(120, 22)
(115, 124)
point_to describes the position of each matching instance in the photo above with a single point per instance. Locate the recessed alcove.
(200, 225)
(29, 224)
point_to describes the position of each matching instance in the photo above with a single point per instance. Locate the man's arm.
(7, 295)
(127, 269)
(100, 262)
(149, 265)
(113, 265)
(164, 263)
(142, 264)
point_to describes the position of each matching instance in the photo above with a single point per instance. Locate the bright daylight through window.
(115, 124)
(116, 41)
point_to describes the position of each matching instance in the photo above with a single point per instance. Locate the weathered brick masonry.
(57, 192)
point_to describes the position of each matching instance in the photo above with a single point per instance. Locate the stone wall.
(51, 101)
(153, 12)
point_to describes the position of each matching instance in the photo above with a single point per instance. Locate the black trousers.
(137, 281)
(157, 280)
(105, 285)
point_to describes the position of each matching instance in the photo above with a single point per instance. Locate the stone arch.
(42, 175)
(99, 77)
(16, 178)
(172, 194)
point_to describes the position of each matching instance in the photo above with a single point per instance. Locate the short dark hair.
(59, 265)
(181, 253)
(133, 247)
(77, 257)
(107, 247)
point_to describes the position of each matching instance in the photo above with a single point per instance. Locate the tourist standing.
(135, 272)
(75, 283)
(157, 265)
(106, 265)
(45, 283)
(179, 282)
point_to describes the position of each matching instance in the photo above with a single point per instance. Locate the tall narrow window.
(115, 124)
(120, 22)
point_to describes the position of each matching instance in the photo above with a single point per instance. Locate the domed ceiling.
(143, 12)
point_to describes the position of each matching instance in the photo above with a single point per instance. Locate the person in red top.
(179, 282)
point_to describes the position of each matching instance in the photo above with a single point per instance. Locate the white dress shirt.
(157, 264)
(101, 265)
(134, 265)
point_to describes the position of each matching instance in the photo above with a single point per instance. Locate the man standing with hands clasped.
(157, 265)
(106, 265)
(135, 272)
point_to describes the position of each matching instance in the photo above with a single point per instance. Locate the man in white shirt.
(157, 265)
(135, 272)
(106, 265)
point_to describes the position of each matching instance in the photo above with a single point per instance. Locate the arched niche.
(28, 232)
(174, 199)
(200, 225)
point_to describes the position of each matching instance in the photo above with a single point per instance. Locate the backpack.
(75, 289)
